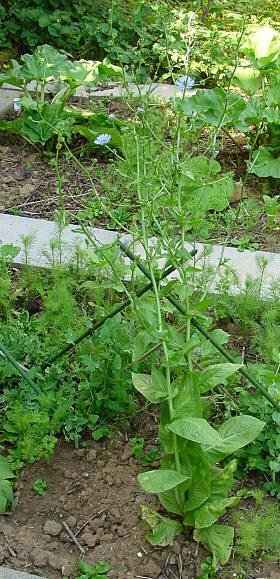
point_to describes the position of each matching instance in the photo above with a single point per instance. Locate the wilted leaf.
(163, 530)
(218, 539)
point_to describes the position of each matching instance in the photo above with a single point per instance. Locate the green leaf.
(218, 539)
(248, 79)
(9, 250)
(196, 429)
(213, 508)
(235, 433)
(214, 106)
(187, 402)
(159, 481)
(222, 479)
(6, 495)
(264, 45)
(91, 133)
(263, 164)
(198, 466)
(217, 374)
(5, 469)
(168, 499)
(143, 383)
(163, 530)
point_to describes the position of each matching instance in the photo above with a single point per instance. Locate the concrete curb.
(49, 246)
(7, 573)
(161, 91)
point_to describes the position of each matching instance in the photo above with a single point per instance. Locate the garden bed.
(95, 492)
(28, 187)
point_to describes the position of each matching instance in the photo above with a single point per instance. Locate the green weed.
(257, 532)
(40, 486)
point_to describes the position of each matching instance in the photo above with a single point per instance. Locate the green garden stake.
(24, 374)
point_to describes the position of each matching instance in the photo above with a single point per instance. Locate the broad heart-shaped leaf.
(264, 164)
(196, 429)
(88, 72)
(214, 106)
(8, 250)
(159, 481)
(163, 530)
(217, 374)
(40, 126)
(235, 433)
(5, 469)
(264, 44)
(218, 539)
(45, 64)
(248, 79)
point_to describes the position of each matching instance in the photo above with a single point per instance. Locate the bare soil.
(93, 493)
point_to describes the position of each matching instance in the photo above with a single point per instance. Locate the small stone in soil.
(91, 457)
(71, 521)
(52, 528)
(89, 539)
(39, 557)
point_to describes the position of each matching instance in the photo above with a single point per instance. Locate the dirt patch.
(28, 183)
(93, 491)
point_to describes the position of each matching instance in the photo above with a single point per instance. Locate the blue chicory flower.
(185, 82)
(103, 139)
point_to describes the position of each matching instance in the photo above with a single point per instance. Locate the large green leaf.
(218, 539)
(217, 374)
(89, 73)
(5, 469)
(199, 468)
(169, 501)
(151, 386)
(163, 530)
(45, 65)
(211, 510)
(235, 433)
(196, 429)
(187, 402)
(263, 45)
(13, 126)
(222, 479)
(248, 79)
(159, 481)
(264, 164)
(216, 107)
